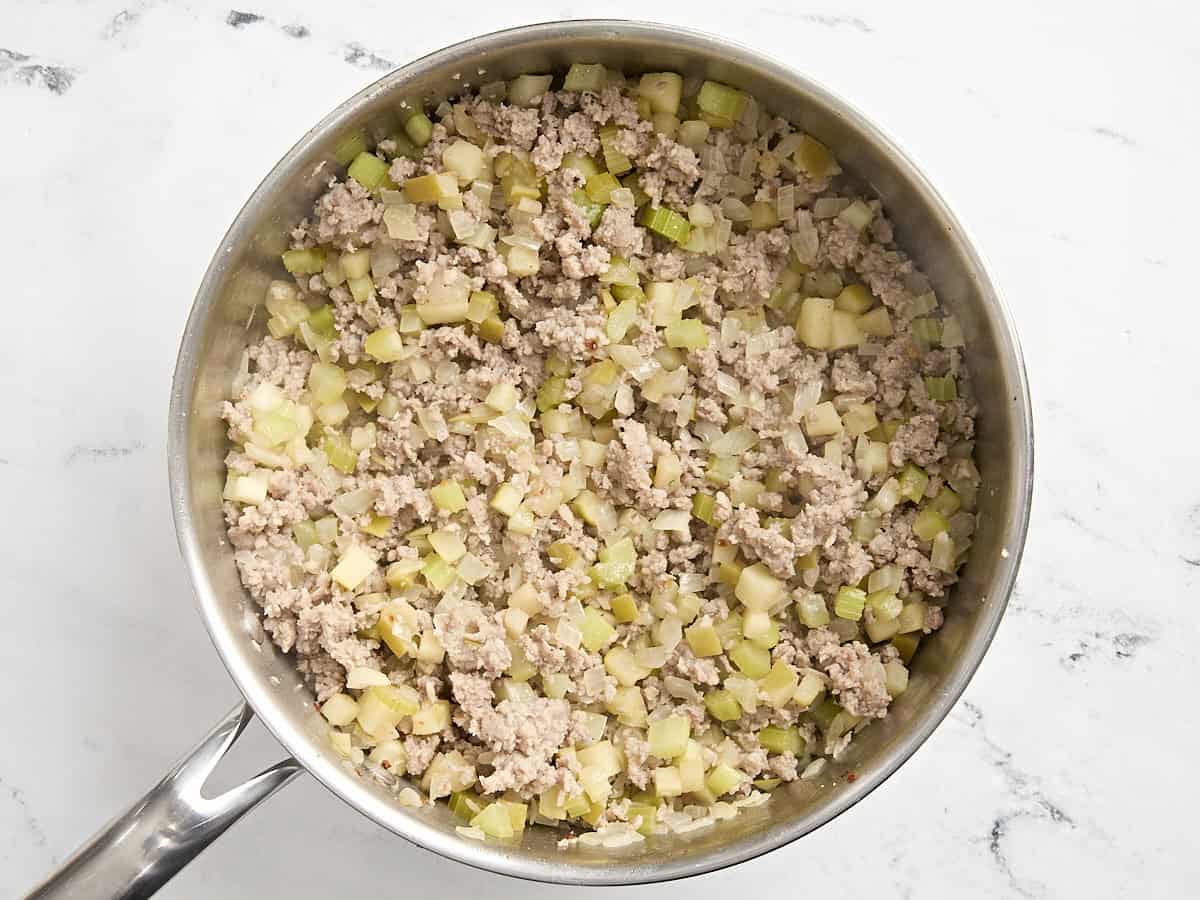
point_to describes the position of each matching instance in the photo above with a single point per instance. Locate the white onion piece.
(805, 241)
(354, 503)
(808, 395)
(651, 657)
(785, 202)
(828, 207)
(734, 442)
(692, 582)
(462, 223)
(735, 209)
(673, 520)
(433, 423)
(727, 384)
(681, 689)
(622, 198)
(669, 632)
(794, 441)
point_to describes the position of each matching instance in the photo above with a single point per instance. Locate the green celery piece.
(592, 211)
(304, 262)
(585, 77)
(667, 223)
(721, 102)
(419, 129)
(368, 170)
(350, 147)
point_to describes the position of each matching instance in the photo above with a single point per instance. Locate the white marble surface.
(1063, 132)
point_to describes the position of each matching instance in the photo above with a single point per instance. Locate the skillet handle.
(141, 849)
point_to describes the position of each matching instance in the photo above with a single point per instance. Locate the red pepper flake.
(386, 764)
(851, 777)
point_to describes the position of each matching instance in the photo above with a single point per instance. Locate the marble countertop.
(1063, 133)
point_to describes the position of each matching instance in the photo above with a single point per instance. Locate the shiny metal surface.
(141, 849)
(248, 257)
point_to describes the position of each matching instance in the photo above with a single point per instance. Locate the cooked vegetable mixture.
(606, 461)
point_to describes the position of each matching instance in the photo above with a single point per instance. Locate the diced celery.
(431, 188)
(668, 738)
(758, 589)
(381, 707)
(721, 105)
(350, 147)
(599, 187)
(645, 815)
(942, 389)
(906, 645)
(884, 605)
(702, 507)
(614, 160)
(814, 326)
(597, 631)
(625, 608)
(368, 170)
(620, 320)
(448, 545)
(585, 77)
(662, 90)
(751, 660)
(763, 215)
(491, 330)
(341, 455)
(728, 572)
(419, 129)
(448, 496)
(465, 804)
(876, 323)
(926, 331)
(779, 684)
(304, 262)
(385, 344)
(439, 573)
(721, 468)
(782, 740)
(693, 133)
(947, 502)
(849, 603)
(942, 554)
(666, 223)
(843, 330)
(702, 637)
(854, 298)
(494, 820)
(723, 778)
(912, 616)
(667, 781)
(628, 705)
(379, 526)
(522, 261)
(722, 705)
(814, 158)
(929, 523)
(527, 90)
(912, 482)
(506, 500)
(689, 334)
(809, 689)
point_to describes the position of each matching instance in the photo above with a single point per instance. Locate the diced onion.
(735, 442)
(353, 503)
(681, 689)
(735, 210)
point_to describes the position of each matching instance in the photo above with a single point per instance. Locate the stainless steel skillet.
(145, 846)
